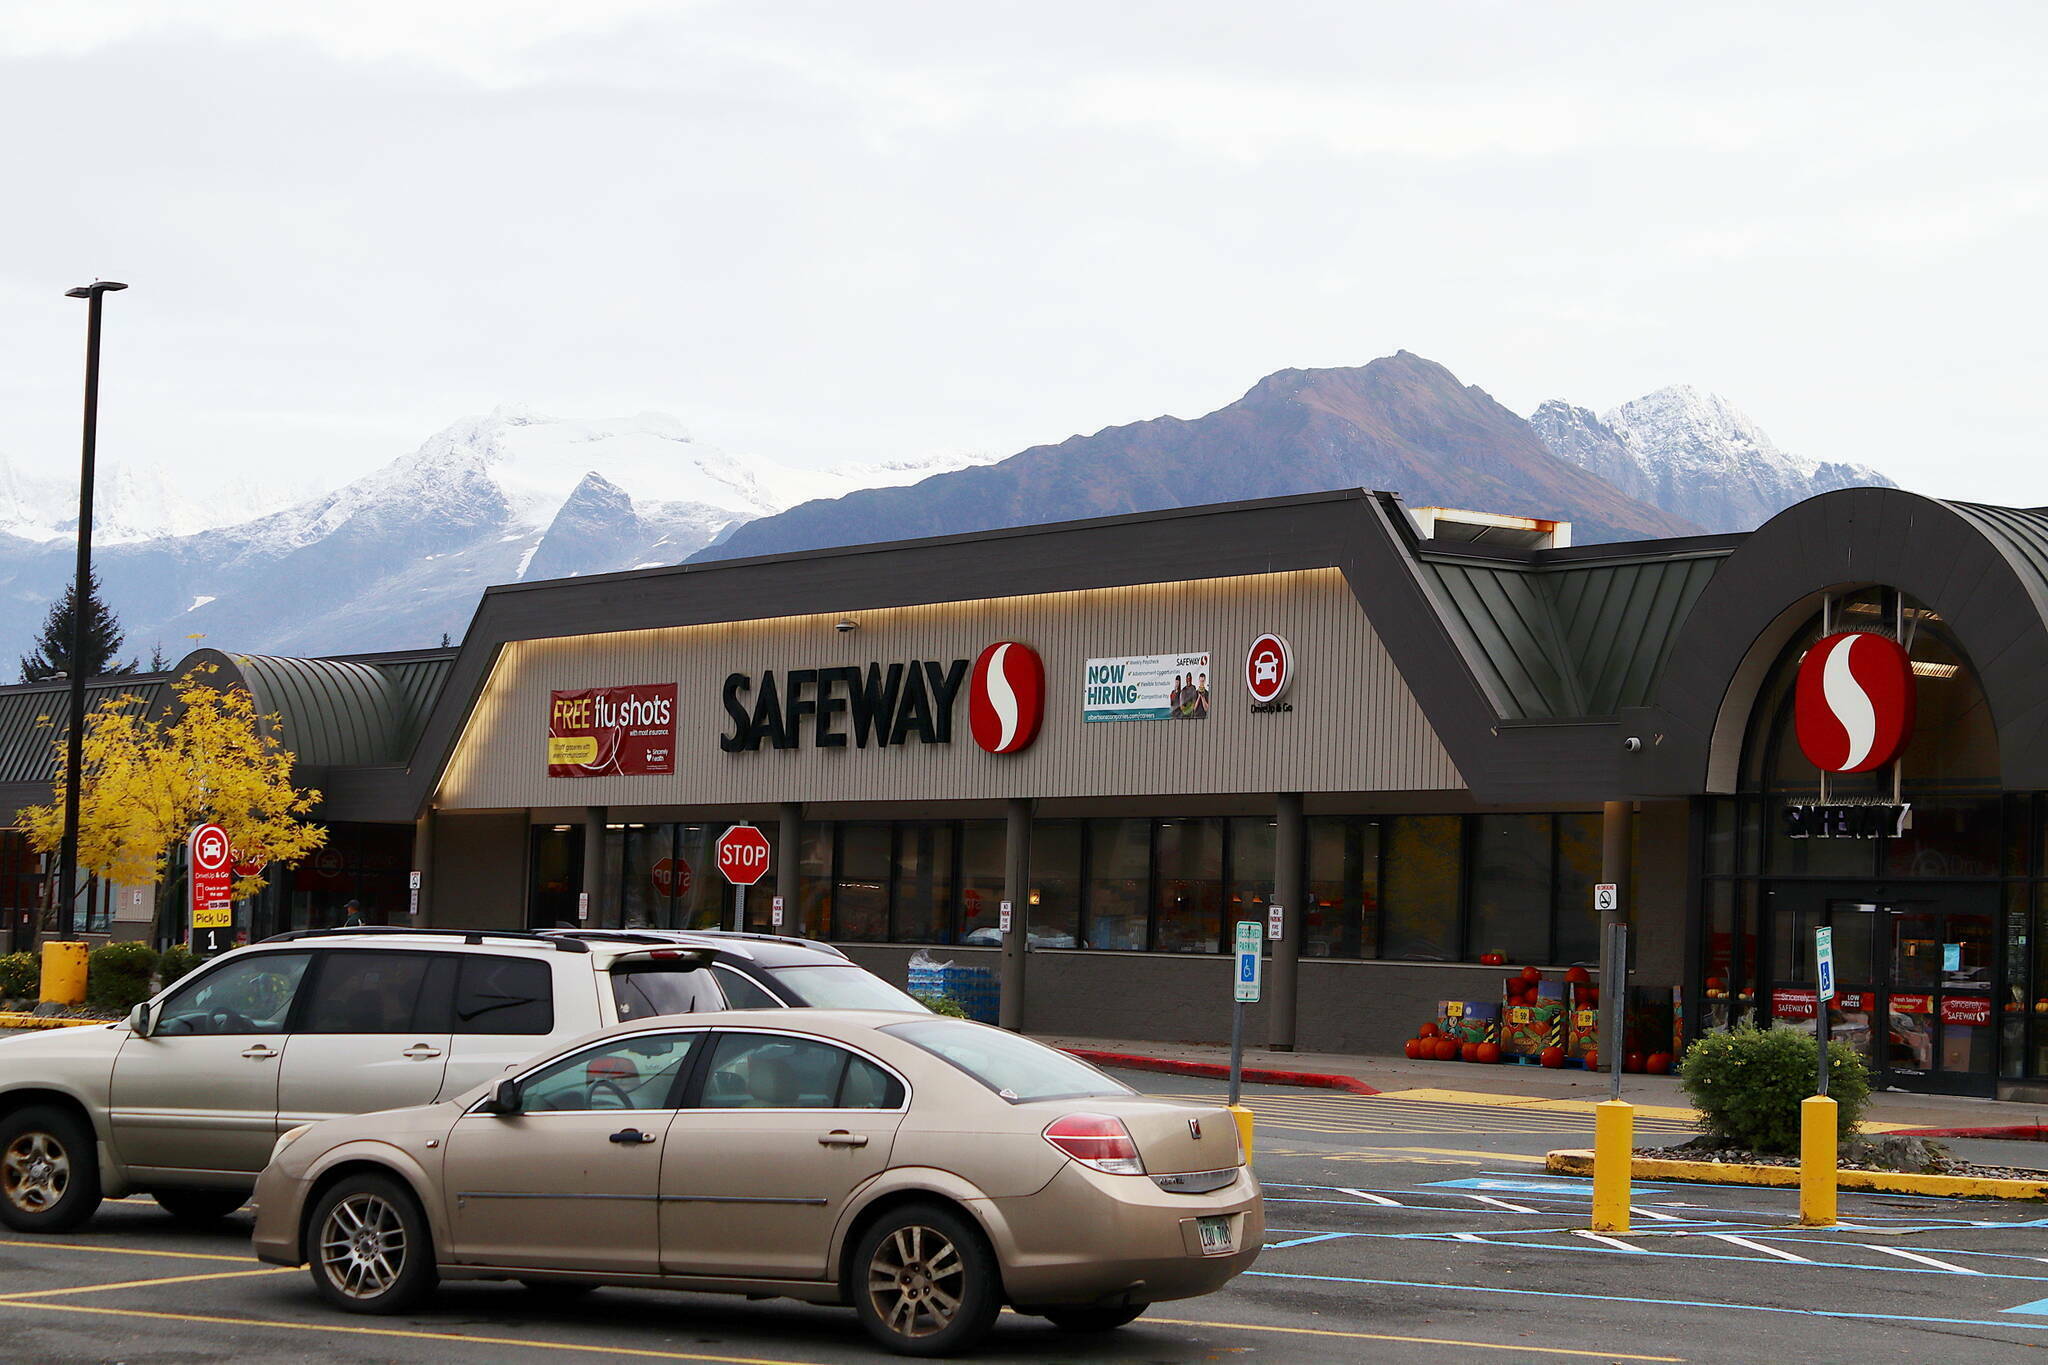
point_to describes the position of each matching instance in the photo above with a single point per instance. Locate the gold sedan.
(925, 1170)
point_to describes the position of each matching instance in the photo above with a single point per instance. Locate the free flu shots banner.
(612, 731)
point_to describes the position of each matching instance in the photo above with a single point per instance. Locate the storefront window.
(862, 894)
(1341, 918)
(647, 858)
(1119, 874)
(1190, 900)
(1511, 887)
(1251, 869)
(1055, 894)
(1576, 874)
(703, 897)
(924, 883)
(814, 880)
(1420, 878)
(984, 851)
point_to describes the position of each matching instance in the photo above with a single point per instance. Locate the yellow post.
(1614, 1128)
(1817, 1146)
(1244, 1130)
(64, 972)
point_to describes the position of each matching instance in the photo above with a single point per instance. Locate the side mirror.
(505, 1099)
(142, 1020)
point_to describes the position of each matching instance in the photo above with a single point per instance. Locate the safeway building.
(1411, 731)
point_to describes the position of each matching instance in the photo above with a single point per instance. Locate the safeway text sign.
(743, 855)
(211, 858)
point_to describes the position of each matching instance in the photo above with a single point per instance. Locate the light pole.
(67, 867)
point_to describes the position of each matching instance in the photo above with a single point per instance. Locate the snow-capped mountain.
(129, 504)
(398, 557)
(1693, 454)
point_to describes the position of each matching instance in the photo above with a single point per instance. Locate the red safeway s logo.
(1853, 707)
(1006, 697)
(1268, 668)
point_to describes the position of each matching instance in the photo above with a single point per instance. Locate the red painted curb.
(1217, 1071)
(2020, 1132)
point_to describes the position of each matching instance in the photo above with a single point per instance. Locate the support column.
(423, 863)
(789, 843)
(593, 867)
(1616, 844)
(1017, 891)
(1286, 953)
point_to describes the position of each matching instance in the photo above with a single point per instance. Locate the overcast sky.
(835, 231)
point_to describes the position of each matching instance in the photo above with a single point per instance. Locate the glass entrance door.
(1914, 981)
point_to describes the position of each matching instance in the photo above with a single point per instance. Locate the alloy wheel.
(34, 1172)
(916, 1281)
(362, 1246)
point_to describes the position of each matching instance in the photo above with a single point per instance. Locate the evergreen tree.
(444, 639)
(157, 662)
(52, 656)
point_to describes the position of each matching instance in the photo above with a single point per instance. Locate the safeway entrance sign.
(743, 855)
(211, 858)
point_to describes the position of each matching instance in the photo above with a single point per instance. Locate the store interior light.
(1933, 670)
(563, 829)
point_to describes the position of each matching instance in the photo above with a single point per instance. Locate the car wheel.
(369, 1247)
(200, 1206)
(49, 1171)
(1093, 1317)
(925, 1282)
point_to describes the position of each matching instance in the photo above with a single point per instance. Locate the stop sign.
(743, 855)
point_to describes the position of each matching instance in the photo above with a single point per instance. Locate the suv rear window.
(498, 995)
(842, 988)
(1017, 1069)
(641, 991)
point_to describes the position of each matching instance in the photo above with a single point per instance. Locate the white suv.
(186, 1097)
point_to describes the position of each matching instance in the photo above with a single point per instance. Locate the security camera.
(1632, 744)
(844, 626)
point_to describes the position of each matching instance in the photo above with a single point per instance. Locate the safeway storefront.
(1423, 737)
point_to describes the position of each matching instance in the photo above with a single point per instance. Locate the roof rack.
(560, 945)
(660, 935)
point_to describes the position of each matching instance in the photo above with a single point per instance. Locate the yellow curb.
(1731, 1173)
(11, 1020)
(1587, 1107)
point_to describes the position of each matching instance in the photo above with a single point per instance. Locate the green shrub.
(117, 976)
(174, 962)
(20, 976)
(1748, 1085)
(941, 1004)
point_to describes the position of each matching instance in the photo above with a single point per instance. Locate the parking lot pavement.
(1399, 1230)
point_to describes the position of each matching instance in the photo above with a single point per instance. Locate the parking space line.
(130, 1251)
(1916, 1256)
(1595, 1296)
(1778, 1252)
(145, 1284)
(349, 1329)
(1525, 1348)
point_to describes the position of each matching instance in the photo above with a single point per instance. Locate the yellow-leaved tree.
(149, 778)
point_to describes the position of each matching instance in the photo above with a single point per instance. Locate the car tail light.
(1097, 1140)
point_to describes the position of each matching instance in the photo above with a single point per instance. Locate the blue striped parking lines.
(1593, 1297)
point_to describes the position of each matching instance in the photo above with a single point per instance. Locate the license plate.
(1219, 1235)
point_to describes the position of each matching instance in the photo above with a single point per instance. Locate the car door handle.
(839, 1137)
(260, 1052)
(422, 1051)
(630, 1136)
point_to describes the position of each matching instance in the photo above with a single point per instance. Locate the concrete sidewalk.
(1509, 1084)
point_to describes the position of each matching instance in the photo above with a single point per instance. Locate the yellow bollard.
(64, 972)
(1244, 1130)
(1614, 1128)
(1817, 1147)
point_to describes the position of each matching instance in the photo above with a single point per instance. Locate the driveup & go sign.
(211, 859)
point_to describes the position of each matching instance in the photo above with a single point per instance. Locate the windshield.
(842, 988)
(1015, 1068)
